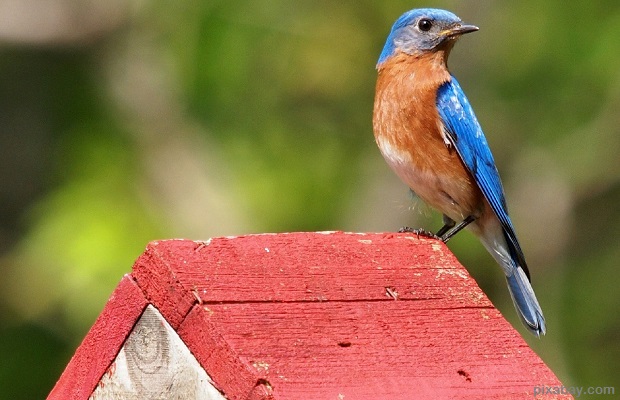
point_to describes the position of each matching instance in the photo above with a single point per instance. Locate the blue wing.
(466, 135)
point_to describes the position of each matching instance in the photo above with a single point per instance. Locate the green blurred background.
(125, 121)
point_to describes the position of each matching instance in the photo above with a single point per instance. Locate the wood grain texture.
(155, 364)
(231, 373)
(101, 344)
(337, 316)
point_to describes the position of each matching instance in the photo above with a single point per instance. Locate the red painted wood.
(155, 274)
(301, 267)
(102, 343)
(313, 316)
(230, 373)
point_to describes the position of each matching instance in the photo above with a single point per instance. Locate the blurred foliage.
(194, 119)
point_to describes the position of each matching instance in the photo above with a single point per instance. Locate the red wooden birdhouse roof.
(302, 316)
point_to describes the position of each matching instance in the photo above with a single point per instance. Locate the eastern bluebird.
(429, 135)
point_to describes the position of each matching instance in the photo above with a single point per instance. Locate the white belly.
(432, 188)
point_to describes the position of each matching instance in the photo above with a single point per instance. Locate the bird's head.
(424, 30)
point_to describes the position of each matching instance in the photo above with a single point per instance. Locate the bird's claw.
(419, 232)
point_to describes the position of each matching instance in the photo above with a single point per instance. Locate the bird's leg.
(455, 229)
(448, 223)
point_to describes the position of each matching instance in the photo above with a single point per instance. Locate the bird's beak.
(459, 30)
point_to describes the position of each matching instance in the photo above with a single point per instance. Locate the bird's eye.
(425, 24)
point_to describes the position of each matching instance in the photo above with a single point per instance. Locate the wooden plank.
(155, 364)
(101, 344)
(377, 350)
(335, 315)
(303, 267)
(231, 374)
(155, 273)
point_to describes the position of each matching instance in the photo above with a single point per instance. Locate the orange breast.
(408, 131)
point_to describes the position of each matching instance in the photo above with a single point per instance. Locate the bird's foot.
(419, 232)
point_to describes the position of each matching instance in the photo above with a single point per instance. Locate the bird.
(428, 134)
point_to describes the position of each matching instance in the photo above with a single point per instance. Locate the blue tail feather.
(525, 301)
